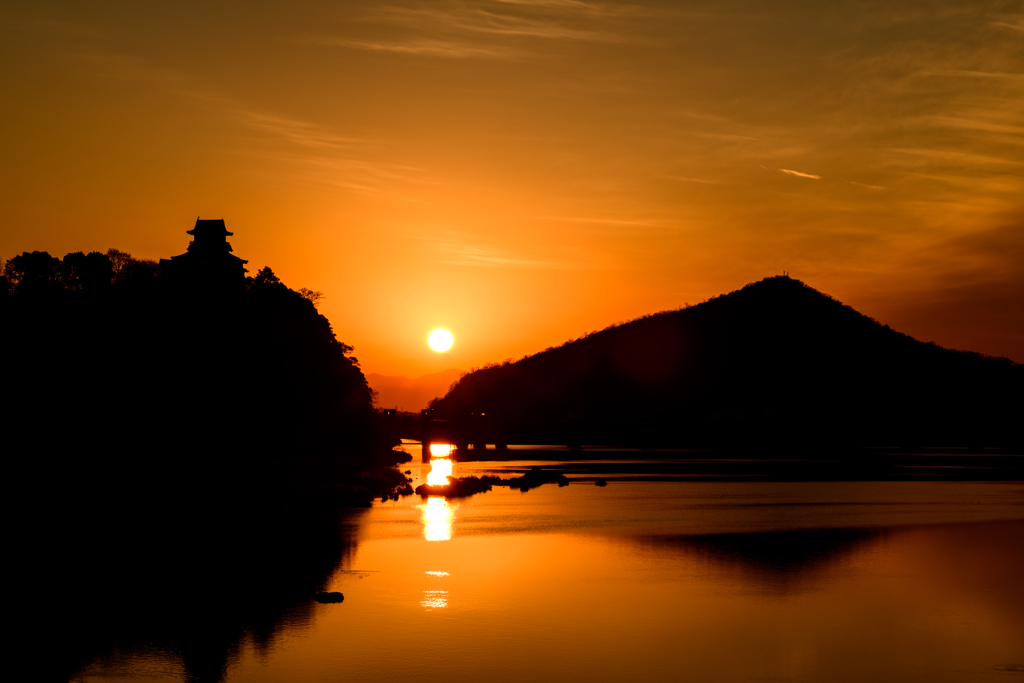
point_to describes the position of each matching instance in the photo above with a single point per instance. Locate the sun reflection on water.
(441, 450)
(435, 599)
(437, 519)
(440, 470)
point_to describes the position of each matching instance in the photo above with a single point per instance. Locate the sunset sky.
(523, 172)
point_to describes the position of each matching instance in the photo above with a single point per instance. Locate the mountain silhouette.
(774, 362)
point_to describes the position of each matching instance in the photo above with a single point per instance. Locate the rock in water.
(324, 598)
(600, 482)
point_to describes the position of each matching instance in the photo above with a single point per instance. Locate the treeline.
(35, 273)
(776, 362)
(119, 378)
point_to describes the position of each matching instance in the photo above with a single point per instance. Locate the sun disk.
(440, 340)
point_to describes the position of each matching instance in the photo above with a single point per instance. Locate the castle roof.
(209, 228)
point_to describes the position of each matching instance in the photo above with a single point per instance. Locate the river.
(653, 579)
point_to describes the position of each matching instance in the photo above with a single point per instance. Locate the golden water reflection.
(437, 516)
(440, 470)
(434, 599)
(441, 450)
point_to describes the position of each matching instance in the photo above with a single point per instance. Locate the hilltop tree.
(265, 276)
(119, 262)
(33, 272)
(89, 272)
(313, 296)
(139, 272)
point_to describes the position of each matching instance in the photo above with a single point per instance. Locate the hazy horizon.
(411, 394)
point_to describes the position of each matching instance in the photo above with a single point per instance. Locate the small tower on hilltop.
(209, 260)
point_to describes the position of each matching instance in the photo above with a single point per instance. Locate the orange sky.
(523, 172)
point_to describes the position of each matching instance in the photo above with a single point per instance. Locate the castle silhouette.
(208, 259)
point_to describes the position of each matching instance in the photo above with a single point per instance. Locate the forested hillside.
(115, 373)
(776, 361)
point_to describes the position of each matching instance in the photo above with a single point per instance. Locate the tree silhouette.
(96, 272)
(312, 296)
(32, 273)
(70, 270)
(265, 276)
(90, 271)
(119, 262)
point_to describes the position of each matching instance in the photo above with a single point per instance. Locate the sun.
(440, 340)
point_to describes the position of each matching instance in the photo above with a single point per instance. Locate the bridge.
(477, 431)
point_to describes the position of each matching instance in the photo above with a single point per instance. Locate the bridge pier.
(427, 416)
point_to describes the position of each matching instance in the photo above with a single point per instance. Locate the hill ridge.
(776, 353)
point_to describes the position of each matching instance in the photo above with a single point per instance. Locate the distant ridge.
(776, 361)
(411, 394)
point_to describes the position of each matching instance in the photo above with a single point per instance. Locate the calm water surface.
(661, 580)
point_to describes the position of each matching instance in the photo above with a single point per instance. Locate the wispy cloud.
(652, 223)
(313, 152)
(487, 30)
(461, 253)
(964, 159)
(475, 255)
(365, 176)
(299, 132)
(693, 180)
(550, 20)
(456, 248)
(574, 4)
(1012, 23)
(1013, 134)
(322, 154)
(798, 174)
(430, 47)
(864, 185)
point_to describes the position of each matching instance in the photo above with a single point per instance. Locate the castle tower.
(209, 260)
